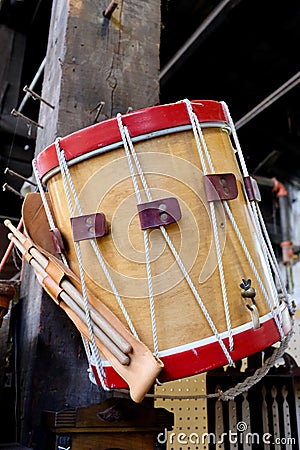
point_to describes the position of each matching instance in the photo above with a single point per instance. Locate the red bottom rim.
(203, 358)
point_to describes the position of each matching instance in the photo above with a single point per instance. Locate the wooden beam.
(90, 59)
(93, 59)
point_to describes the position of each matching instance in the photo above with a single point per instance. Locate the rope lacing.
(199, 137)
(201, 144)
(269, 257)
(97, 252)
(68, 185)
(272, 259)
(131, 154)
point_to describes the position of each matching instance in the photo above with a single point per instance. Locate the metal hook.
(97, 108)
(35, 96)
(16, 113)
(15, 174)
(7, 187)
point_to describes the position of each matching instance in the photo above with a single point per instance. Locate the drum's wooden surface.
(172, 168)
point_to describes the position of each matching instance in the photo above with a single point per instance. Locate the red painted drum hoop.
(140, 122)
(205, 357)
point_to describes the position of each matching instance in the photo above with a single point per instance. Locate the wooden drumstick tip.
(17, 243)
(7, 223)
(19, 236)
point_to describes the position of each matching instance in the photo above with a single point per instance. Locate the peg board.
(190, 416)
(294, 344)
(297, 402)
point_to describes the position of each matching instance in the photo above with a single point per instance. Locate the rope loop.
(239, 388)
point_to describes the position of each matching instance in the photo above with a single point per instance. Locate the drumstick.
(9, 248)
(77, 309)
(121, 357)
(102, 323)
(70, 289)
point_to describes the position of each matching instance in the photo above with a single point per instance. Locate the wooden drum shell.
(172, 168)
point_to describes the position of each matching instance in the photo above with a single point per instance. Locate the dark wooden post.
(92, 60)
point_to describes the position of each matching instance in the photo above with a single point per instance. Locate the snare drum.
(183, 261)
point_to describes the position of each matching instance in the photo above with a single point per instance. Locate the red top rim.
(139, 122)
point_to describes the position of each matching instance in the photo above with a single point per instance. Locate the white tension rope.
(128, 144)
